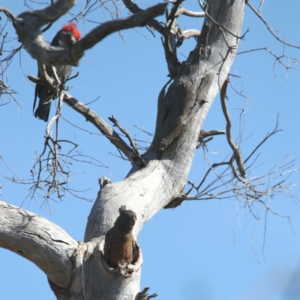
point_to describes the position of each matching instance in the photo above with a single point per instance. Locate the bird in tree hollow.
(63, 73)
(120, 248)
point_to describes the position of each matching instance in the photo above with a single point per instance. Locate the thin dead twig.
(93, 117)
(132, 144)
(268, 26)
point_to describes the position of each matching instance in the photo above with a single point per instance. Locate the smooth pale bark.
(38, 240)
(146, 190)
(182, 108)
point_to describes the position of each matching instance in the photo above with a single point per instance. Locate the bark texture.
(39, 240)
(78, 270)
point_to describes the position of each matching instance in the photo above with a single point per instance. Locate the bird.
(63, 72)
(120, 248)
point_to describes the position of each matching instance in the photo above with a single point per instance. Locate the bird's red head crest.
(73, 29)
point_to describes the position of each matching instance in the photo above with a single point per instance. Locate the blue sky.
(203, 249)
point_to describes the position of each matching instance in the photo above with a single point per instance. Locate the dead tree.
(78, 270)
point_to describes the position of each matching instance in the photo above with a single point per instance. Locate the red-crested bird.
(63, 72)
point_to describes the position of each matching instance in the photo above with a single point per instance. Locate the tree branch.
(38, 240)
(186, 34)
(9, 15)
(28, 29)
(268, 26)
(189, 13)
(134, 9)
(93, 117)
(100, 124)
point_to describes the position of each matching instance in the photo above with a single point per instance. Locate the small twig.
(268, 26)
(275, 130)
(80, 128)
(132, 144)
(2, 43)
(133, 8)
(261, 5)
(72, 77)
(277, 58)
(143, 130)
(10, 168)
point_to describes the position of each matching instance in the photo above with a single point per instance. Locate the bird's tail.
(43, 109)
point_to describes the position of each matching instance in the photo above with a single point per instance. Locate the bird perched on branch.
(120, 248)
(63, 73)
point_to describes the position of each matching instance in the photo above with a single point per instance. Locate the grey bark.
(39, 240)
(78, 270)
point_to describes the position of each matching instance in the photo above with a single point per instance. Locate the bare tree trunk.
(78, 270)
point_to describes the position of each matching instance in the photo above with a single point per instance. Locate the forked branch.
(173, 36)
(28, 26)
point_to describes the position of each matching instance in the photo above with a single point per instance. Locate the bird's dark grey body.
(45, 96)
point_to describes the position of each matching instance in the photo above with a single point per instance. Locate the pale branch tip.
(103, 181)
(8, 14)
